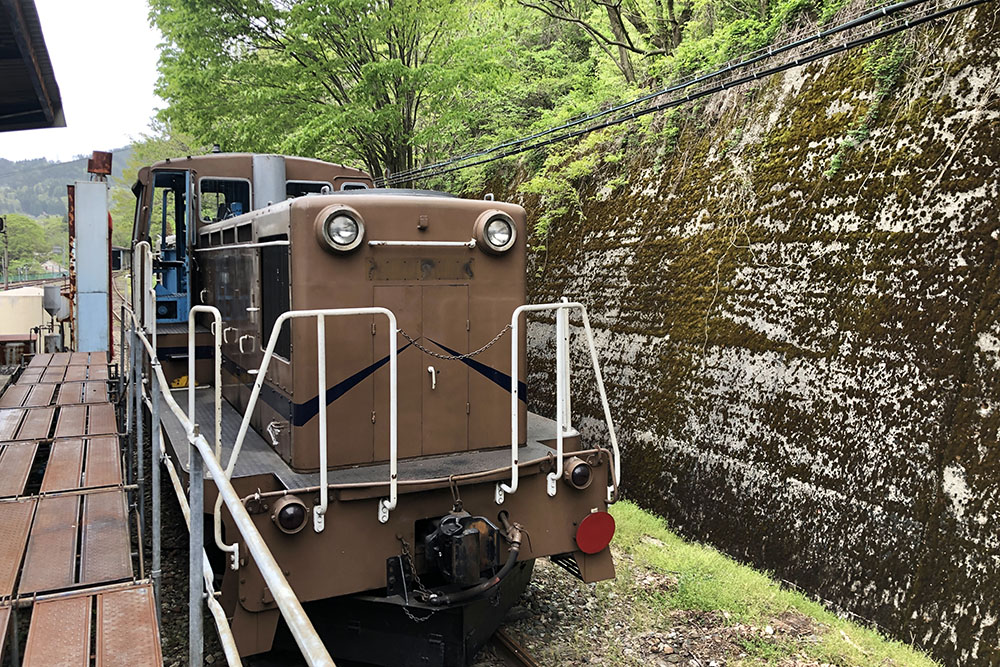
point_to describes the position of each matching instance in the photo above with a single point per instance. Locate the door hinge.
(468, 325)
(373, 328)
(373, 416)
(467, 408)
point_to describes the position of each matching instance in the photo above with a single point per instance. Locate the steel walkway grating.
(89, 419)
(66, 553)
(26, 423)
(120, 625)
(77, 540)
(16, 459)
(53, 359)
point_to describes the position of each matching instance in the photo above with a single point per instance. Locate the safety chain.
(422, 591)
(455, 356)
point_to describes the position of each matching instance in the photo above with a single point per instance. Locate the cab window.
(223, 198)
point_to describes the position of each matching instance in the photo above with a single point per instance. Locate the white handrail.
(562, 393)
(385, 505)
(216, 326)
(298, 622)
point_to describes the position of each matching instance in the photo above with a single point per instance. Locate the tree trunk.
(618, 30)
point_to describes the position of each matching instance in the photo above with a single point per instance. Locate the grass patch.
(708, 582)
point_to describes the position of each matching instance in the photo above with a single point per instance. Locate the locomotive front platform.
(73, 585)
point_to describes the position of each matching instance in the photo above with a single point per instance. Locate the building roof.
(29, 94)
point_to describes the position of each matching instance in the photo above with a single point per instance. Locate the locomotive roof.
(237, 160)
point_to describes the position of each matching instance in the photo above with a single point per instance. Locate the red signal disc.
(595, 532)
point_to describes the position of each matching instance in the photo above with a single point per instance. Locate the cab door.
(433, 393)
(445, 382)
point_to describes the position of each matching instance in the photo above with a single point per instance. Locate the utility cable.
(753, 58)
(527, 143)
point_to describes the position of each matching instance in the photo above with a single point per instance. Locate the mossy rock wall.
(802, 351)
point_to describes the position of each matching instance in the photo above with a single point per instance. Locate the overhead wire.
(748, 60)
(528, 143)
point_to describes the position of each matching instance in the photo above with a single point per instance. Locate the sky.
(107, 97)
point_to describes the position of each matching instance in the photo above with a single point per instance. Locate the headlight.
(340, 228)
(578, 473)
(499, 232)
(289, 514)
(495, 231)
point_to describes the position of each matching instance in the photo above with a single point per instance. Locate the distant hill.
(38, 187)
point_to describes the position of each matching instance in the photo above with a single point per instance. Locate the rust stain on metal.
(103, 462)
(102, 419)
(76, 373)
(37, 424)
(105, 554)
(14, 396)
(95, 392)
(65, 463)
(99, 163)
(126, 628)
(10, 419)
(15, 520)
(69, 393)
(50, 561)
(15, 465)
(72, 421)
(59, 633)
(40, 396)
(97, 371)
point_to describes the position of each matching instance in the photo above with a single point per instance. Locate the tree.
(658, 26)
(26, 239)
(374, 81)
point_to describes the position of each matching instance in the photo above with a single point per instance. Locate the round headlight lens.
(289, 514)
(580, 475)
(291, 517)
(342, 229)
(499, 232)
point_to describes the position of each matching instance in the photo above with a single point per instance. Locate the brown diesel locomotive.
(373, 351)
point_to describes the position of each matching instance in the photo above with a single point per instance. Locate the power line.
(751, 59)
(526, 143)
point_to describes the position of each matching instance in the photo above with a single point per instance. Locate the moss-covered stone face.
(803, 361)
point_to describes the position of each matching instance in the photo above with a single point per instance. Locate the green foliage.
(27, 246)
(710, 581)
(885, 64)
(335, 79)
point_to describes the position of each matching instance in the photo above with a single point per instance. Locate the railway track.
(31, 283)
(508, 650)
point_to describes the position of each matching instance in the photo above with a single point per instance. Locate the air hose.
(514, 537)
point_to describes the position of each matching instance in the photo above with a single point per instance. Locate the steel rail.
(510, 651)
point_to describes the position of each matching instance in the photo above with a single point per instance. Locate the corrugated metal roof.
(29, 94)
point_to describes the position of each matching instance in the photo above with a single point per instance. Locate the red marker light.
(595, 532)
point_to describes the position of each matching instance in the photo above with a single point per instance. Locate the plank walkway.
(65, 533)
